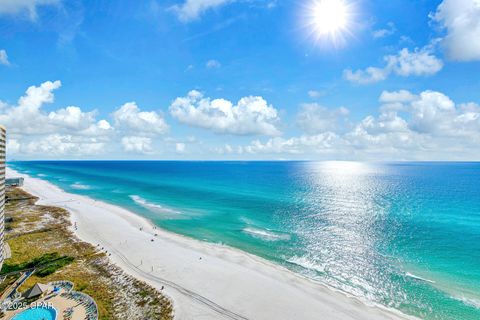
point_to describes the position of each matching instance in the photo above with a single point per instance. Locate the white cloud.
(315, 94)
(420, 62)
(72, 118)
(213, 64)
(369, 75)
(137, 144)
(21, 7)
(35, 97)
(129, 117)
(57, 145)
(28, 118)
(325, 143)
(314, 118)
(461, 19)
(180, 147)
(395, 100)
(433, 112)
(250, 116)
(385, 123)
(427, 126)
(417, 63)
(396, 96)
(192, 9)
(431, 115)
(385, 32)
(4, 58)
(13, 146)
(228, 148)
(70, 132)
(104, 125)
(65, 132)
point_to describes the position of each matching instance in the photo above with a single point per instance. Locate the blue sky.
(251, 79)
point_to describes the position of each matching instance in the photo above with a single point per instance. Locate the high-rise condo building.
(3, 139)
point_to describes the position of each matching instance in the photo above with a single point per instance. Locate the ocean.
(403, 235)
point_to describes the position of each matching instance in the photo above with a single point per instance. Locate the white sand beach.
(205, 281)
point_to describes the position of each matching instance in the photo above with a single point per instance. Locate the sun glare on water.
(329, 20)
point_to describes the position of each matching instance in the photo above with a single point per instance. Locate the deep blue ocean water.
(404, 235)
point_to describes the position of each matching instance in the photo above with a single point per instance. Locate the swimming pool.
(37, 313)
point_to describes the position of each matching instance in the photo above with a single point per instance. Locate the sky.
(365, 80)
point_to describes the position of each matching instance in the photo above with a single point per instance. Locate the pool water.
(37, 313)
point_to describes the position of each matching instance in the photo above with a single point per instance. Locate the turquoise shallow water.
(40, 313)
(405, 235)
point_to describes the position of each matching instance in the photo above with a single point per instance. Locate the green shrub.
(45, 264)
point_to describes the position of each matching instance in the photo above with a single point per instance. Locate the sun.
(330, 16)
(329, 20)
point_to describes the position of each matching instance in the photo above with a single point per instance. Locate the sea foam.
(266, 235)
(411, 275)
(306, 263)
(80, 186)
(152, 206)
(469, 301)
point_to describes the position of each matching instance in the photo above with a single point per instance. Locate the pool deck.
(60, 303)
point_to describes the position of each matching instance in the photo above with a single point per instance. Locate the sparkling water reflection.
(405, 235)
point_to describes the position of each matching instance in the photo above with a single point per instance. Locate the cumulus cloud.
(28, 118)
(460, 19)
(431, 126)
(314, 118)
(4, 58)
(424, 126)
(35, 97)
(24, 7)
(420, 62)
(192, 9)
(427, 111)
(71, 132)
(250, 116)
(213, 64)
(129, 117)
(137, 144)
(72, 118)
(67, 131)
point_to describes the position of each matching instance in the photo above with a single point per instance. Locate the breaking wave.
(152, 206)
(80, 186)
(306, 263)
(266, 235)
(411, 275)
(468, 301)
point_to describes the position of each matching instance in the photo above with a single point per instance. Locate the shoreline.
(204, 280)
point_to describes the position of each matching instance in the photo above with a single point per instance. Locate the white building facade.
(3, 141)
